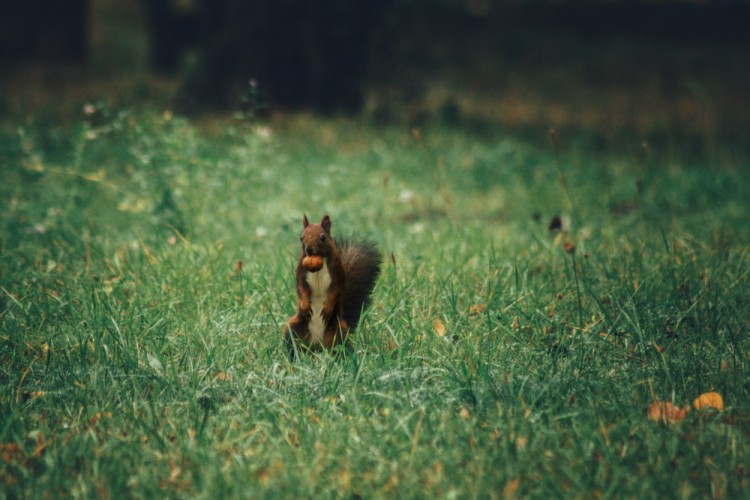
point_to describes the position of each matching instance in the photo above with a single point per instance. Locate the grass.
(147, 268)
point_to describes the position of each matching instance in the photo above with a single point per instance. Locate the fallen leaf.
(664, 411)
(521, 442)
(263, 476)
(36, 394)
(511, 487)
(439, 328)
(345, 478)
(223, 376)
(709, 400)
(94, 176)
(392, 483)
(476, 309)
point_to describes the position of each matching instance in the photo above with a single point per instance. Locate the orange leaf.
(664, 411)
(222, 376)
(709, 400)
(521, 442)
(511, 487)
(439, 328)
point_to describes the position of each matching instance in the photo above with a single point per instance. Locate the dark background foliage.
(327, 56)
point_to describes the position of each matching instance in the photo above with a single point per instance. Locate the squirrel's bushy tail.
(361, 260)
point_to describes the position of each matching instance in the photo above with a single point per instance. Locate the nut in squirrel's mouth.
(313, 263)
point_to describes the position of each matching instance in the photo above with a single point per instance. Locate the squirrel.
(335, 278)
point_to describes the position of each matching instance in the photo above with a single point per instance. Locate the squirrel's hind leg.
(336, 334)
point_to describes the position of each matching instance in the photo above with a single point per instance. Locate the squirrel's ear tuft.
(305, 222)
(326, 223)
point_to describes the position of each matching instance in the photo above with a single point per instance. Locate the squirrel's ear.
(305, 223)
(326, 223)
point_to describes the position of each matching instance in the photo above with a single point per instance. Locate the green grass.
(139, 359)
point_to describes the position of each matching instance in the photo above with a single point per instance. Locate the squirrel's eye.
(300, 238)
(322, 237)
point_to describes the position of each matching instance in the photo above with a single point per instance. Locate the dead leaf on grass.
(476, 309)
(521, 442)
(709, 400)
(510, 488)
(664, 411)
(439, 328)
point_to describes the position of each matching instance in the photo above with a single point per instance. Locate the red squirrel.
(335, 279)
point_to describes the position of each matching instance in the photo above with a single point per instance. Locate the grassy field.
(147, 268)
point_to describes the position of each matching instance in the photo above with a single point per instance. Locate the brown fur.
(355, 263)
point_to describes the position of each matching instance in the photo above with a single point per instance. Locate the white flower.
(406, 195)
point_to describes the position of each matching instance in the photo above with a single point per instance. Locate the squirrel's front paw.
(326, 313)
(304, 309)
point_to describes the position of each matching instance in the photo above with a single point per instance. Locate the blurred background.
(645, 67)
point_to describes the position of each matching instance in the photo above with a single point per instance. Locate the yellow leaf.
(34, 167)
(345, 478)
(36, 394)
(709, 400)
(439, 328)
(94, 176)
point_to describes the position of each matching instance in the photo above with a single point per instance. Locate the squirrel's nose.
(309, 250)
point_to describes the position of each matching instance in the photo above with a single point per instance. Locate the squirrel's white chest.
(319, 283)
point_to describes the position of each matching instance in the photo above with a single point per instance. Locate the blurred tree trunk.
(49, 30)
(171, 30)
(301, 53)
